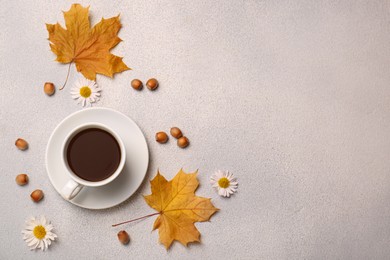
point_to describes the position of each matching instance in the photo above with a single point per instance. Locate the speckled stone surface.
(293, 97)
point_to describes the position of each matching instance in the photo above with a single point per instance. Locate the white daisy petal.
(34, 240)
(50, 237)
(82, 97)
(231, 183)
(41, 245)
(30, 227)
(48, 230)
(43, 220)
(34, 243)
(31, 242)
(45, 245)
(29, 239)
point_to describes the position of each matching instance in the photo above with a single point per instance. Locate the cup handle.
(71, 189)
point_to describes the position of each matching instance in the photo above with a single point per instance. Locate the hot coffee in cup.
(94, 156)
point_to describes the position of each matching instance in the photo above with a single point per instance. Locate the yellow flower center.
(224, 182)
(39, 232)
(85, 92)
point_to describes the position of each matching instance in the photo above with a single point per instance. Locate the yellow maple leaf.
(89, 48)
(179, 208)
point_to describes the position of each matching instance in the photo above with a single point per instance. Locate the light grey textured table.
(293, 97)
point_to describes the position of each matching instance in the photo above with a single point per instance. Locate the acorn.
(123, 237)
(21, 144)
(152, 84)
(183, 142)
(21, 179)
(176, 132)
(136, 84)
(36, 195)
(161, 137)
(49, 88)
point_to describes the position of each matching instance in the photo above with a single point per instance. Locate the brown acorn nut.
(123, 237)
(36, 195)
(183, 142)
(176, 132)
(152, 84)
(21, 179)
(136, 84)
(161, 137)
(21, 144)
(49, 88)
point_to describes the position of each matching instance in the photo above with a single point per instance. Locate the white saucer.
(134, 171)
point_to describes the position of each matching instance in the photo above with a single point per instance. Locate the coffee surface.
(93, 154)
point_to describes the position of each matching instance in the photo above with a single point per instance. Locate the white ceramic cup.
(75, 183)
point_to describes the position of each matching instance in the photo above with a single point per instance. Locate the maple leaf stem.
(67, 76)
(150, 215)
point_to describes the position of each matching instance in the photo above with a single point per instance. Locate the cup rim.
(104, 127)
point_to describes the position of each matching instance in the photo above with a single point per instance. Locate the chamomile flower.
(38, 233)
(224, 182)
(85, 92)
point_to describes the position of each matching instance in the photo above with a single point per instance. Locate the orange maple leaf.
(178, 207)
(89, 48)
